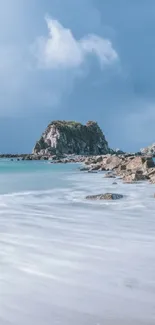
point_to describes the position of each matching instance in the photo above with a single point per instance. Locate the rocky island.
(69, 137)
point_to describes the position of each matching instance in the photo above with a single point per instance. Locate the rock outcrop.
(150, 150)
(62, 137)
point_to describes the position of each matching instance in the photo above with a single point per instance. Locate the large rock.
(139, 163)
(134, 163)
(149, 163)
(152, 179)
(136, 176)
(106, 196)
(151, 175)
(151, 172)
(111, 162)
(62, 137)
(150, 150)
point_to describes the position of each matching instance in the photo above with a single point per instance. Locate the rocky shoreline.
(52, 158)
(130, 168)
(73, 142)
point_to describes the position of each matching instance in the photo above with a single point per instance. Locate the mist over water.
(65, 260)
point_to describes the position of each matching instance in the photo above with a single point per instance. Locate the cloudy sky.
(77, 60)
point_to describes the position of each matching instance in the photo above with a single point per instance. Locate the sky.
(77, 60)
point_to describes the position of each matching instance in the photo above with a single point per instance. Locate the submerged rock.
(109, 175)
(106, 196)
(84, 169)
(69, 137)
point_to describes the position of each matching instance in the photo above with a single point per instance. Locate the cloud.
(60, 50)
(26, 82)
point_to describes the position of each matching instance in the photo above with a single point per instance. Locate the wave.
(64, 260)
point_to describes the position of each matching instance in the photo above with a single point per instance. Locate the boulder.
(112, 162)
(88, 161)
(152, 179)
(106, 196)
(149, 163)
(134, 163)
(150, 173)
(142, 163)
(98, 159)
(135, 177)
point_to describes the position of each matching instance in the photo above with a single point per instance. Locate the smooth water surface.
(68, 261)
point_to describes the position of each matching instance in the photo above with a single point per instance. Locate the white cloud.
(23, 85)
(61, 50)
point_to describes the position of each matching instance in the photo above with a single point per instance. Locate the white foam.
(65, 260)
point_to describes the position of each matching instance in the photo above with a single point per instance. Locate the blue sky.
(77, 60)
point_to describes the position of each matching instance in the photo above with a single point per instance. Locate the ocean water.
(68, 261)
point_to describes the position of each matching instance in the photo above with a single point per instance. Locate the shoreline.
(130, 168)
(69, 157)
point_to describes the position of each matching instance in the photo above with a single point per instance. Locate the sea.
(65, 260)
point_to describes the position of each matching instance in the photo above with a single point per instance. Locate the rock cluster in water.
(129, 168)
(69, 137)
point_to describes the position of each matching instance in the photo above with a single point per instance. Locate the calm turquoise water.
(64, 260)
